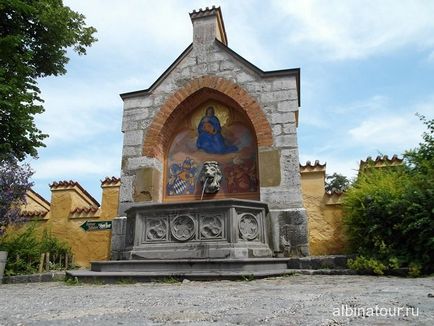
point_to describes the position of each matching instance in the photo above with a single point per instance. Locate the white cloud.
(77, 109)
(97, 163)
(358, 29)
(394, 128)
(389, 130)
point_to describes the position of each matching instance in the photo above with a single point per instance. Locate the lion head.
(211, 177)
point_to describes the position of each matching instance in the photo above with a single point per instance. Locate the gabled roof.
(264, 74)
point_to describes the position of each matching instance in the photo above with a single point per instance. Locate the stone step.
(208, 269)
(86, 276)
(191, 265)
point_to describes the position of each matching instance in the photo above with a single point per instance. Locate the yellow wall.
(326, 235)
(64, 220)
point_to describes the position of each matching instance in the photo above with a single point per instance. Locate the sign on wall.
(96, 225)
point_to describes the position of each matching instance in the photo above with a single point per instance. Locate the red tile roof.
(110, 181)
(316, 164)
(33, 214)
(383, 160)
(87, 210)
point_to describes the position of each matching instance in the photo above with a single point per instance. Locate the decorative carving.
(211, 227)
(182, 227)
(156, 229)
(211, 177)
(249, 227)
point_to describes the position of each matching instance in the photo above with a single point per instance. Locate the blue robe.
(212, 141)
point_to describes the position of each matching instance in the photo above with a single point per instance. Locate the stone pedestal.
(210, 229)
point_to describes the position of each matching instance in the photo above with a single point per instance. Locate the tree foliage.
(14, 183)
(336, 182)
(389, 212)
(34, 37)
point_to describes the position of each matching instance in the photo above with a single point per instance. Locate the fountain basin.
(209, 229)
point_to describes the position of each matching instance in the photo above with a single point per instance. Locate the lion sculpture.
(211, 177)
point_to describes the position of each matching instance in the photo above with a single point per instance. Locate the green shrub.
(25, 247)
(389, 212)
(367, 265)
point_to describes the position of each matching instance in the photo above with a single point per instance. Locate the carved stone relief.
(156, 229)
(249, 226)
(182, 227)
(211, 227)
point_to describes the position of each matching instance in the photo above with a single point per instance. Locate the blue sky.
(366, 68)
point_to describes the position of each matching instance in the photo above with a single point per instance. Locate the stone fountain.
(210, 182)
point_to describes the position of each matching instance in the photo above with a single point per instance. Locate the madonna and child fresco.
(217, 133)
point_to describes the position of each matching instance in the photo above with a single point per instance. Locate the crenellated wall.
(70, 207)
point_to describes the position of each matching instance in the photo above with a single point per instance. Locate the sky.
(367, 67)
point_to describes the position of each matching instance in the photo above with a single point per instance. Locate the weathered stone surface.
(269, 168)
(132, 138)
(143, 162)
(137, 102)
(288, 141)
(287, 106)
(147, 185)
(131, 150)
(277, 130)
(293, 232)
(119, 229)
(289, 128)
(126, 191)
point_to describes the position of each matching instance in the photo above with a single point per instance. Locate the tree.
(34, 37)
(389, 213)
(336, 182)
(14, 183)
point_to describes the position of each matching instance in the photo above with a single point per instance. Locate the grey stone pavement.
(290, 300)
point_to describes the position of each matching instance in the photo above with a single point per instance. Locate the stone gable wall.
(277, 97)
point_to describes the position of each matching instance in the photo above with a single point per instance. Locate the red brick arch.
(193, 94)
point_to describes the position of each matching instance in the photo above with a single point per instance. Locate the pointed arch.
(193, 94)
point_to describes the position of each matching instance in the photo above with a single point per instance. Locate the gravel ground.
(292, 300)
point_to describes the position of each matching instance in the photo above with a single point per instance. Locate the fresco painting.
(212, 132)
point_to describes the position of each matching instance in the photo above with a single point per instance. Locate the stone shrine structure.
(210, 180)
(211, 104)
